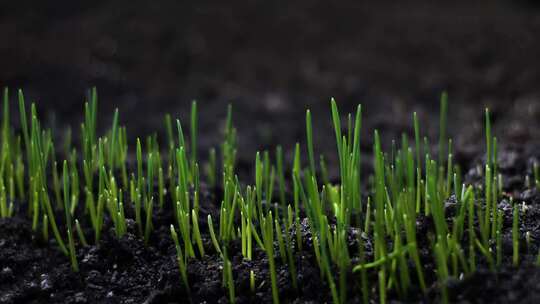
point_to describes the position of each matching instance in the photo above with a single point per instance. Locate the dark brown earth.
(271, 60)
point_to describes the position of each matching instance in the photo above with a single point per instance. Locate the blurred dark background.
(273, 59)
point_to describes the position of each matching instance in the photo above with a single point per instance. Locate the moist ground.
(126, 271)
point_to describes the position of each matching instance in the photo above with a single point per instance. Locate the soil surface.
(271, 60)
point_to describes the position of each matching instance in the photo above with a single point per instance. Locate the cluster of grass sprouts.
(95, 181)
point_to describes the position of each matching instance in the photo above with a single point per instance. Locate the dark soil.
(271, 60)
(126, 271)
